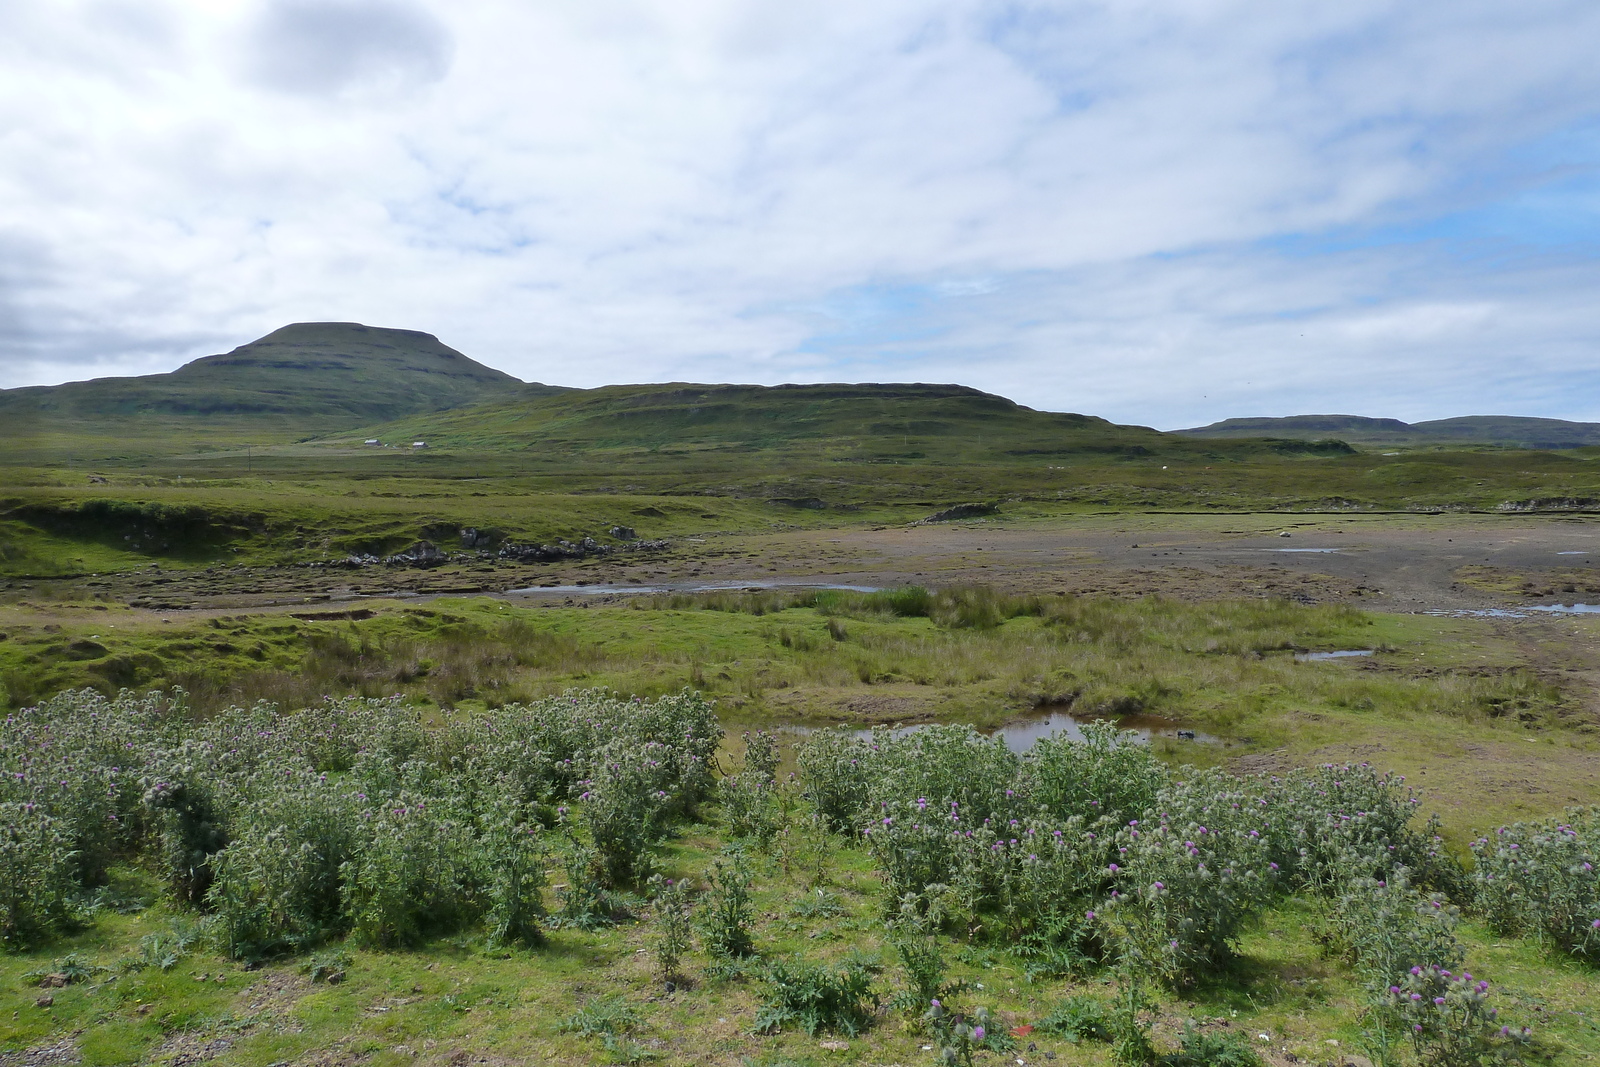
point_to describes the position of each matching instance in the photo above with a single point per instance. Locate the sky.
(1163, 213)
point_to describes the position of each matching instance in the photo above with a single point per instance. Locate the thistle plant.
(1543, 880)
(726, 912)
(674, 915)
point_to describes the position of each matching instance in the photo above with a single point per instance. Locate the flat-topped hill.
(874, 422)
(1508, 431)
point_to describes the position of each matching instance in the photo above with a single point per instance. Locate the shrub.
(750, 801)
(958, 1037)
(1387, 928)
(835, 781)
(1078, 1018)
(37, 884)
(817, 997)
(513, 858)
(585, 903)
(1105, 774)
(674, 918)
(1541, 880)
(726, 914)
(189, 827)
(412, 873)
(921, 957)
(279, 886)
(1448, 1020)
(1191, 880)
(1208, 1048)
(625, 804)
(1316, 817)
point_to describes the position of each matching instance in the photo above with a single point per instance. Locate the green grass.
(744, 456)
(1445, 700)
(458, 999)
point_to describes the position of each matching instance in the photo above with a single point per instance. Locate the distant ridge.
(323, 371)
(888, 423)
(1509, 431)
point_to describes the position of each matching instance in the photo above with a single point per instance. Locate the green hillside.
(876, 423)
(335, 369)
(305, 379)
(1502, 431)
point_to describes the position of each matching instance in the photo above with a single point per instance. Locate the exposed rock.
(624, 533)
(963, 511)
(420, 554)
(61, 1054)
(1551, 503)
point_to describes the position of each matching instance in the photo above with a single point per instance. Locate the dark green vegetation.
(1503, 431)
(579, 879)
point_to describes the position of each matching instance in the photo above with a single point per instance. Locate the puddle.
(1020, 734)
(1305, 550)
(1518, 613)
(1344, 653)
(1574, 552)
(598, 588)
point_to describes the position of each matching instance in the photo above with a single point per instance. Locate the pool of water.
(601, 589)
(1343, 653)
(1324, 550)
(1573, 552)
(1519, 613)
(1020, 734)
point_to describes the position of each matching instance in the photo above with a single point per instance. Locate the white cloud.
(1130, 208)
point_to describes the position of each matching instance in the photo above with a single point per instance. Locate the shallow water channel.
(1518, 613)
(1020, 734)
(603, 589)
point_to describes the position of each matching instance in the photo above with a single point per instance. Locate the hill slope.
(319, 369)
(870, 422)
(298, 382)
(1508, 431)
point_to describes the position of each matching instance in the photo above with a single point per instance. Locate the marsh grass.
(973, 653)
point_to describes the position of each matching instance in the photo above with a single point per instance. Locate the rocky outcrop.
(963, 511)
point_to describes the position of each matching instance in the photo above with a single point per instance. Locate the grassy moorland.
(422, 827)
(259, 455)
(115, 493)
(317, 503)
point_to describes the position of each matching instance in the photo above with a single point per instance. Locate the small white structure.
(373, 441)
(419, 444)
